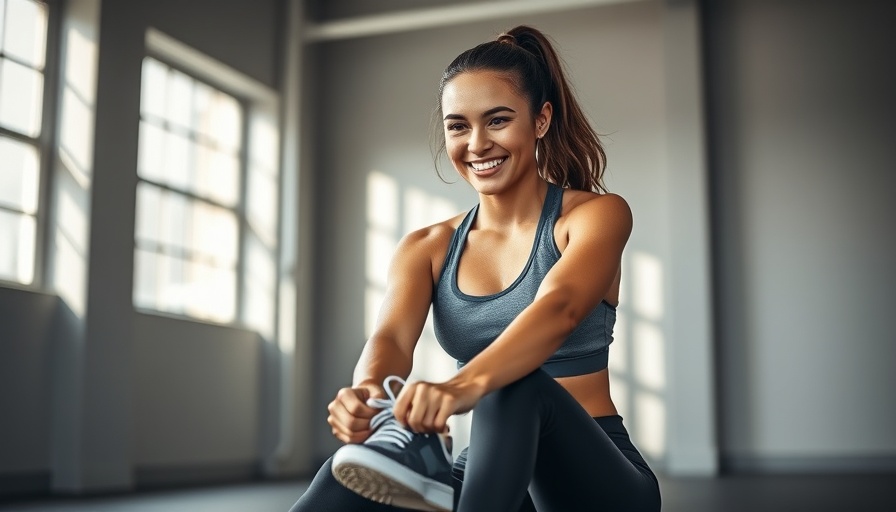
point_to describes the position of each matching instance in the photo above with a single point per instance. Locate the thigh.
(457, 473)
(583, 463)
(325, 494)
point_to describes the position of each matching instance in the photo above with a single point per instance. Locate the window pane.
(178, 167)
(21, 89)
(25, 32)
(186, 227)
(213, 234)
(171, 284)
(227, 121)
(203, 97)
(179, 99)
(151, 153)
(210, 292)
(16, 247)
(152, 99)
(175, 217)
(146, 280)
(217, 175)
(149, 205)
(18, 175)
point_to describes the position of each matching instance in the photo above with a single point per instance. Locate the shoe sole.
(381, 479)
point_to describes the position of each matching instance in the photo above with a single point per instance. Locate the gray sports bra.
(466, 324)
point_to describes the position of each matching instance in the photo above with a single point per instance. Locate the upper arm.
(408, 293)
(598, 230)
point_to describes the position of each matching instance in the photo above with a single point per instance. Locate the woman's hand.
(350, 415)
(425, 406)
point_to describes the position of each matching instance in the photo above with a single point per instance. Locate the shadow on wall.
(637, 363)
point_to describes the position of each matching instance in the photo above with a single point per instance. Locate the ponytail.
(570, 154)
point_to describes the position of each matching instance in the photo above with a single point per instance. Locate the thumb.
(363, 394)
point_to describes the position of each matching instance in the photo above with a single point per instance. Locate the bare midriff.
(592, 391)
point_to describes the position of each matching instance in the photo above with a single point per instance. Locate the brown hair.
(570, 153)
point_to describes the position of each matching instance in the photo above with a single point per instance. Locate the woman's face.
(490, 133)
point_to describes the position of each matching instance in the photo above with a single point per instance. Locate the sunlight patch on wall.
(381, 238)
(650, 429)
(638, 353)
(77, 118)
(260, 243)
(650, 363)
(74, 168)
(382, 202)
(422, 209)
(647, 280)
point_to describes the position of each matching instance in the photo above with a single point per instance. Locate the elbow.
(564, 310)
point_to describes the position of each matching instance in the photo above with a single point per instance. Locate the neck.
(519, 205)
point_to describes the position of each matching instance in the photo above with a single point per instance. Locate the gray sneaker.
(396, 466)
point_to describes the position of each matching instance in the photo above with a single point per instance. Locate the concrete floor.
(792, 493)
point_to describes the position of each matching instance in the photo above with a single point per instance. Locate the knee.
(522, 393)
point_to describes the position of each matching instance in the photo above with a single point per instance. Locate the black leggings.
(531, 435)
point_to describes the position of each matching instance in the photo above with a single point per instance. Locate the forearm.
(382, 356)
(533, 336)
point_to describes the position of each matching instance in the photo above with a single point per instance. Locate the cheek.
(454, 151)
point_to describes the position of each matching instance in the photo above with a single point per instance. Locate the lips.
(487, 167)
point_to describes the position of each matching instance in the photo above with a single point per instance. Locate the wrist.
(477, 383)
(373, 388)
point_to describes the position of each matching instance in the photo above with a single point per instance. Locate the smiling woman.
(523, 290)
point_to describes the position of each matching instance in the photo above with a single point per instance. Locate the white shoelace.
(386, 427)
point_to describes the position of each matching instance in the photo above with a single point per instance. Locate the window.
(189, 196)
(23, 36)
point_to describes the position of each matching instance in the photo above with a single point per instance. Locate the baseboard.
(21, 485)
(808, 465)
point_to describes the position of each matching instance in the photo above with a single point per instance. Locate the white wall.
(802, 130)
(376, 97)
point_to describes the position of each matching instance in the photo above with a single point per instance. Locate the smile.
(484, 166)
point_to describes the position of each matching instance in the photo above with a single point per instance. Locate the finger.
(345, 434)
(403, 403)
(444, 408)
(353, 438)
(440, 422)
(354, 401)
(423, 408)
(434, 400)
(346, 419)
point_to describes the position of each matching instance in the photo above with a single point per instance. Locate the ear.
(543, 119)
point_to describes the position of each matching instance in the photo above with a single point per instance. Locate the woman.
(523, 290)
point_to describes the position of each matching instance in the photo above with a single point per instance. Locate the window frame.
(44, 142)
(239, 210)
(260, 103)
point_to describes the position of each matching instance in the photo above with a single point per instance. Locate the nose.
(479, 141)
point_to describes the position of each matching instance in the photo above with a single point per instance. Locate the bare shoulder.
(433, 235)
(588, 209)
(428, 244)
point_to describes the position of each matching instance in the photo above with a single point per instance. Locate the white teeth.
(487, 165)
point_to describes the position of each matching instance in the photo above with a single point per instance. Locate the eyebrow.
(487, 113)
